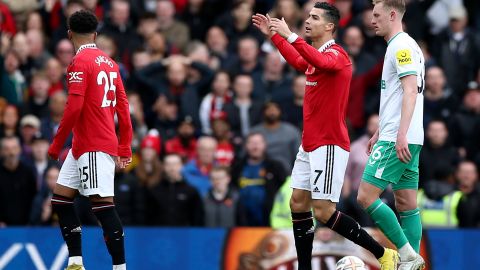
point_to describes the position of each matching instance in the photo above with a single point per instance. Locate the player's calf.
(326, 212)
(69, 226)
(303, 227)
(112, 231)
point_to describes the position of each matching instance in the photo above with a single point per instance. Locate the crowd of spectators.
(217, 112)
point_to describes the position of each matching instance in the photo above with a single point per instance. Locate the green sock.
(412, 227)
(386, 220)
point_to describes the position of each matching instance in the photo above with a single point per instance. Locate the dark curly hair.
(83, 22)
(331, 13)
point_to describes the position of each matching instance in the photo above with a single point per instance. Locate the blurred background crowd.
(217, 113)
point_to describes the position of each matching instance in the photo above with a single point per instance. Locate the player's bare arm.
(410, 92)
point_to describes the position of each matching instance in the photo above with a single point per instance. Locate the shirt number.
(109, 97)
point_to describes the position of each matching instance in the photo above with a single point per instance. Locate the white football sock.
(75, 260)
(120, 267)
(407, 253)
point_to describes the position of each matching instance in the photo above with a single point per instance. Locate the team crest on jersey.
(75, 77)
(404, 57)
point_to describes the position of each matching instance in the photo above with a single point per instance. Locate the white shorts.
(91, 174)
(321, 171)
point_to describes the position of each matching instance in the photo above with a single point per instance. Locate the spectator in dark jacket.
(439, 103)
(118, 27)
(468, 210)
(294, 106)
(437, 152)
(258, 178)
(175, 85)
(243, 112)
(222, 201)
(128, 198)
(237, 23)
(457, 52)
(272, 84)
(247, 61)
(173, 202)
(463, 123)
(42, 207)
(17, 185)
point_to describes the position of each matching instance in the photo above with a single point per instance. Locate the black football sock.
(350, 229)
(69, 224)
(303, 232)
(112, 230)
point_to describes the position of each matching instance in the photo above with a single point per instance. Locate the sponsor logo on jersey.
(332, 51)
(308, 83)
(102, 59)
(404, 57)
(75, 77)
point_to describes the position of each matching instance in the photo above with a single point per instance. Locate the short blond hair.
(399, 5)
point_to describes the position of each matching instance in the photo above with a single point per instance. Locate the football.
(350, 263)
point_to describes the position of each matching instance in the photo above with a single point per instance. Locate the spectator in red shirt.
(184, 144)
(7, 23)
(225, 151)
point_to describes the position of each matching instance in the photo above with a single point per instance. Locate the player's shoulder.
(336, 49)
(402, 41)
(96, 58)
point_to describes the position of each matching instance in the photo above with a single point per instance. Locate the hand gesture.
(403, 153)
(262, 23)
(371, 143)
(123, 162)
(280, 26)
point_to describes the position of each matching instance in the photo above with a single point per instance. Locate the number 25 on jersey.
(108, 80)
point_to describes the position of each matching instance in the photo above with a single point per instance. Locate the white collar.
(326, 45)
(84, 46)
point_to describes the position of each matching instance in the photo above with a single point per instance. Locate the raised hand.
(280, 26)
(262, 23)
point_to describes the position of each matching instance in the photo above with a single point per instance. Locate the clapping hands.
(269, 26)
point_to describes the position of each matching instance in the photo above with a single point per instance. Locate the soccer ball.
(350, 263)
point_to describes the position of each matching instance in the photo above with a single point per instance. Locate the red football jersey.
(329, 72)
(96, 77)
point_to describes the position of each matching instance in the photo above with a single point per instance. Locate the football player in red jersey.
(319, 169)
(95, 95)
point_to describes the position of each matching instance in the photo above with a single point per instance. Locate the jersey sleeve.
(330, 59)
(405, 61)
(289, 53)
(125, 125)
(77, 77)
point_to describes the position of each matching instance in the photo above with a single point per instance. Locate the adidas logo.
(316, 189)
(77, 229)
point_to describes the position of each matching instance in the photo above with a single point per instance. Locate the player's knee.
(364, 199)
(299, 203)
(402, 204)
(324, 212)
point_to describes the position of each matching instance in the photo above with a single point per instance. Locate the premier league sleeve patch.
(404, 57)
